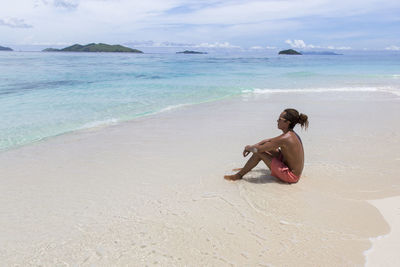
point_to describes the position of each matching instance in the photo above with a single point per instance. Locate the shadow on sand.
(262, 177)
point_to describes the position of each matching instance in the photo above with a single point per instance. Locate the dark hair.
(294, 118)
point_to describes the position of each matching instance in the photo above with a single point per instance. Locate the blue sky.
(312, 24)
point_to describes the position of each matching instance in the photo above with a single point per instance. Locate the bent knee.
(266, 157)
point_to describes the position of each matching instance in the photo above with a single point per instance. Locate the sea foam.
(387, 89)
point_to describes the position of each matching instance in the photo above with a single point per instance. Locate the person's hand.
(246, 151)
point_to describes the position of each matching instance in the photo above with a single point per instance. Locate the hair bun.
(303, 120)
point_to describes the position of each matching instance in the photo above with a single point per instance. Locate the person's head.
(290, 117)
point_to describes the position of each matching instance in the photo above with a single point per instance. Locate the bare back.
(293, 152)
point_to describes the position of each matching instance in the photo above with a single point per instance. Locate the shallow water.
(47, 94)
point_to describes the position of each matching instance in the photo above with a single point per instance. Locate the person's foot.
(236, 169)
(233, 177)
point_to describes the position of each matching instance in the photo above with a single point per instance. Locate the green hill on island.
(191, 52)
(289, 52)
(2, 48)
(94, 48)
(51, 50)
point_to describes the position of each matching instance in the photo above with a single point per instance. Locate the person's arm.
(268, 146)
(271, 144)
(263, 141)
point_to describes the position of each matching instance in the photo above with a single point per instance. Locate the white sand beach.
(151, 191)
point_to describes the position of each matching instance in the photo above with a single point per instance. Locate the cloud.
(341, 48)
(207, 22)
(151, 43)
(257, 47)
(296, 43)
(172, 44)
(301, 44)
(393, 47)
(14, 23)
(68, 4)
(217, 45)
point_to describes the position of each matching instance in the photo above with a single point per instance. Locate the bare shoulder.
(286, 139)
(293, 137)
(281, 139)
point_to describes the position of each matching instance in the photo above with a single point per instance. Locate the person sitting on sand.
(284, 154)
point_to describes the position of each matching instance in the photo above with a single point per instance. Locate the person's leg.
(266, 158)
(250, 164)
(275, 153)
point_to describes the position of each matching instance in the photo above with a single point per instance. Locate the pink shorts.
(281, 171)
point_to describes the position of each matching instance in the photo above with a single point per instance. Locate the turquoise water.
(47, 94)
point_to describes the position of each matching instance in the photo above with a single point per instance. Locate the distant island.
(191, 52)
(289, 52)
(321, 53)
(94, 48)
(2, 48)
(51, 50)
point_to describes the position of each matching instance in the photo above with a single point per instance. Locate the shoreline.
(384, 248)
(256, 92)
(103, 187)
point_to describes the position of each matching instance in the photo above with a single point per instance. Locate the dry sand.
(151, 191)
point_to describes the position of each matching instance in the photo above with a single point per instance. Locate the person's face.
(282, 122)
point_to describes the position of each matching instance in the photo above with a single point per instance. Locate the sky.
(304, 24)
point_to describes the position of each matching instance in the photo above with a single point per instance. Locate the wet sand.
(151, 191)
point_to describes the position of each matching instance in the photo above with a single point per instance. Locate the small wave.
(97, 124)
(391, 90)
(372, 240)
(173, 107)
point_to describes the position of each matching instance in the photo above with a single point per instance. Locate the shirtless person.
(284, 154)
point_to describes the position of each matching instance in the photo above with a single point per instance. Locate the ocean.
(48, 94)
